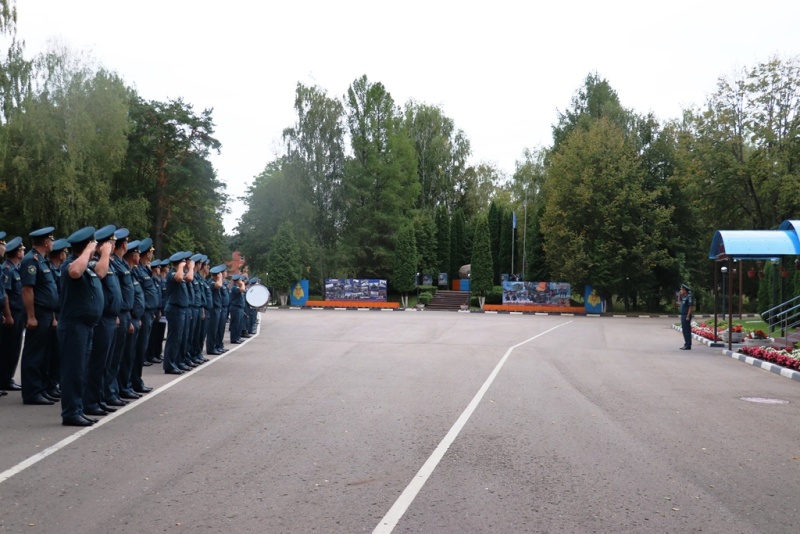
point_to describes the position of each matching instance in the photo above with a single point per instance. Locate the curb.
(755, 362)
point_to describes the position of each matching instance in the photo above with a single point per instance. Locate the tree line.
(80, 147)
(620, 200)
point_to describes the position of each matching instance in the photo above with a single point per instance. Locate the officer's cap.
(236, 277)
(83, 235)
(133, 247)
(13, 245)
(145, 245)
(2, 236)
(178, 256)
(155, 263)
(122, 233)
(105, 233)
(197, 257)
(218, 269)
(61, 244)
(43, 232)
(255, 280)
(687, 288)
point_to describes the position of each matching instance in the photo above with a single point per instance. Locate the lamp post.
(417, 289)
(724, 271)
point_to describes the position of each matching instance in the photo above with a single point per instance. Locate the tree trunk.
(481, 300)
(284, 297)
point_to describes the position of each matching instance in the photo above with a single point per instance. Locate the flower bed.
(784, 357)
(703, 330)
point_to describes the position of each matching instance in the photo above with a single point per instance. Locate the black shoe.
(48, 396)
(39, 400)
(3, 393)
(11, 386)
(106, 407)
(128, 394)
(117, 402)
(204, 360)
(53, 393)
(143, 390)
(239, 342)
(76, 421)
(94, 411)
(686, 348)
(146, 363)
(173, 371)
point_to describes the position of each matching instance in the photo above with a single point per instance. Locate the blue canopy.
(757, 244)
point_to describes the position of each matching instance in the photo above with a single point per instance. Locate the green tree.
(404, 275)
(425, 238)
(283, 263)
(315, 160)
(441, 151)
(495, 220)
(458, 251)
(167, 164)
(598, 221)
(481, 272)
(381, 183)
(443, 240)
(64, 144)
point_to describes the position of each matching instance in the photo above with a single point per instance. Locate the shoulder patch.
(31, 269)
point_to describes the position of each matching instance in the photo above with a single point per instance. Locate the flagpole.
(513, 229)
(524, 228)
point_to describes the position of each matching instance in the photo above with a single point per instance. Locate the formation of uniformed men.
(93, 318)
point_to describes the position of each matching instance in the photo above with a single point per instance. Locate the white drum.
(257, 296)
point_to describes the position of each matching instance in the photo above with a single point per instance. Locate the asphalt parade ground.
(423, 422)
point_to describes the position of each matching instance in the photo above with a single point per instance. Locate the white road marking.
(8, 473)
(390, 520)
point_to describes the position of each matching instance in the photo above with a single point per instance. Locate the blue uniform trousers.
(112, 385)
(212, 320)
(221, 322)
(75, 339)
(10, 345)
(176, 319)
(35, 355)
(142, 342)
(236, 323)
(128, 358)
(99, 360)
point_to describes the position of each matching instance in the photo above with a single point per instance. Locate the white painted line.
(400, 506)
(8, 473)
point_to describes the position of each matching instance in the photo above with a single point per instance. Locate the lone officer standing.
(687, 308)
(40, 296)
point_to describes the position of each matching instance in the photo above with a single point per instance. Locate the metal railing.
(784, 316)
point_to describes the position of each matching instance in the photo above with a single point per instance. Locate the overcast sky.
(501, 70)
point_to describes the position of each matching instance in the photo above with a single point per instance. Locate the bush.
(425, 298)
(428, 289)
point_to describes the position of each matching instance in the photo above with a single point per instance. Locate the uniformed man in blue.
(208, 306)
(197, 296)
(687, 310)
(215, 284)
(237, 308)
(123, 272)
(128, 368)
(40, 297)
(251, 326)
(177, 303)
(98, 398)
(152, 300)
(225, 298)
(155, 350)
(13, 314)
(81, 309)
(56, 258)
